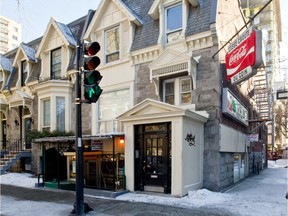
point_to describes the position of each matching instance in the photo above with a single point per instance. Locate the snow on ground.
(263, 194)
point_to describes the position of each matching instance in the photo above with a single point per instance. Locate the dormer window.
(56, 64)
(112, 45)
(173, 22)
(24, 72)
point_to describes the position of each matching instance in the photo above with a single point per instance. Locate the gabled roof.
(5, 64)
(130, 14)
(67, 33)
(170, 57)
(28, 52)
(153, 109)
(63, 30)
(20, 98)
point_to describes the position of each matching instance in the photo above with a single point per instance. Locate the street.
(257, 195)
(29, 201)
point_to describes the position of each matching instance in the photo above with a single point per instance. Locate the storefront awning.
(84, 137)
(20, 98)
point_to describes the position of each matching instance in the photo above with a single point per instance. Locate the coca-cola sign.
(244, 56)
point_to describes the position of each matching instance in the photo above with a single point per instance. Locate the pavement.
(44, 201)
(255, 195)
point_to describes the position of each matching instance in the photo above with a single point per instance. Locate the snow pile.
(281, 163)
(19, 179)
(262, 194)
(201, 197)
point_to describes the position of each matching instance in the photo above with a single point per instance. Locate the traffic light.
(92, 77)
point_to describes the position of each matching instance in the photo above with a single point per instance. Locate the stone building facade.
(163, 84)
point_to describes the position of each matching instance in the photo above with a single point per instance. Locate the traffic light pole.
(79, 151)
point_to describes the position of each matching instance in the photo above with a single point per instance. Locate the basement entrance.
(153, 157)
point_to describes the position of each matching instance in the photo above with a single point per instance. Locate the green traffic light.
(92, 77)
(94, 91)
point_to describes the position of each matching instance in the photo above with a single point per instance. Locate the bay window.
(46, 115)
(60, 113)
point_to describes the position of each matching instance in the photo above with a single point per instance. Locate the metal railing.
(13, 146)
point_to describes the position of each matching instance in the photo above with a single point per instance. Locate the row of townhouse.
(159, 124)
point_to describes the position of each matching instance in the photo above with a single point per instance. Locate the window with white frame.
(60, 113)
(112, 45)
(173, 22)
(185, 91)
(24, 72)
(169, 91)
(177, 91)
(111, 105)
(56, 64)
(46, 115)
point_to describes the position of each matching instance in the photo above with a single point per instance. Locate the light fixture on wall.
(122, 140)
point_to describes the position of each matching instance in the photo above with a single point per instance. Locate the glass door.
(153, 160)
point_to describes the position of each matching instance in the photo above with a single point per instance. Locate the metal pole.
(79, 151)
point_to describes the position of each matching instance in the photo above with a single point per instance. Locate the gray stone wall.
(35, 160)
(226, 169)
(143, 88)
(207, 96)
(13, 130)
(35, 113)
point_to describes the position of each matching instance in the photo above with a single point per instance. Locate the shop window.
(112, 44)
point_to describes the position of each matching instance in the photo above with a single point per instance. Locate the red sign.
(244, 54)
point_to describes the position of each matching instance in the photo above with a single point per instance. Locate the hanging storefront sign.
(244, 56)
(96, 145)
(252, 137)
(232, 107)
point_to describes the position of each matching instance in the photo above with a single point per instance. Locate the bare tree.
(281, 117)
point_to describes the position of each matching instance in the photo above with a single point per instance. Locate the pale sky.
(34, 15)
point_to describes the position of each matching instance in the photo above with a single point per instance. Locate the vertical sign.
(244, 56)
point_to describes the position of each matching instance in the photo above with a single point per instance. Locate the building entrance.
(153, 157)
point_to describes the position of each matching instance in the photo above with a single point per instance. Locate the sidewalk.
(261, 195)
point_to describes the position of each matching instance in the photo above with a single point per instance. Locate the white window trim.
(180, 89)
(165, 23)
(120, 41)
(53, 118)
(42, 114)
(162, 21)
(164, 89)
(177, 90)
